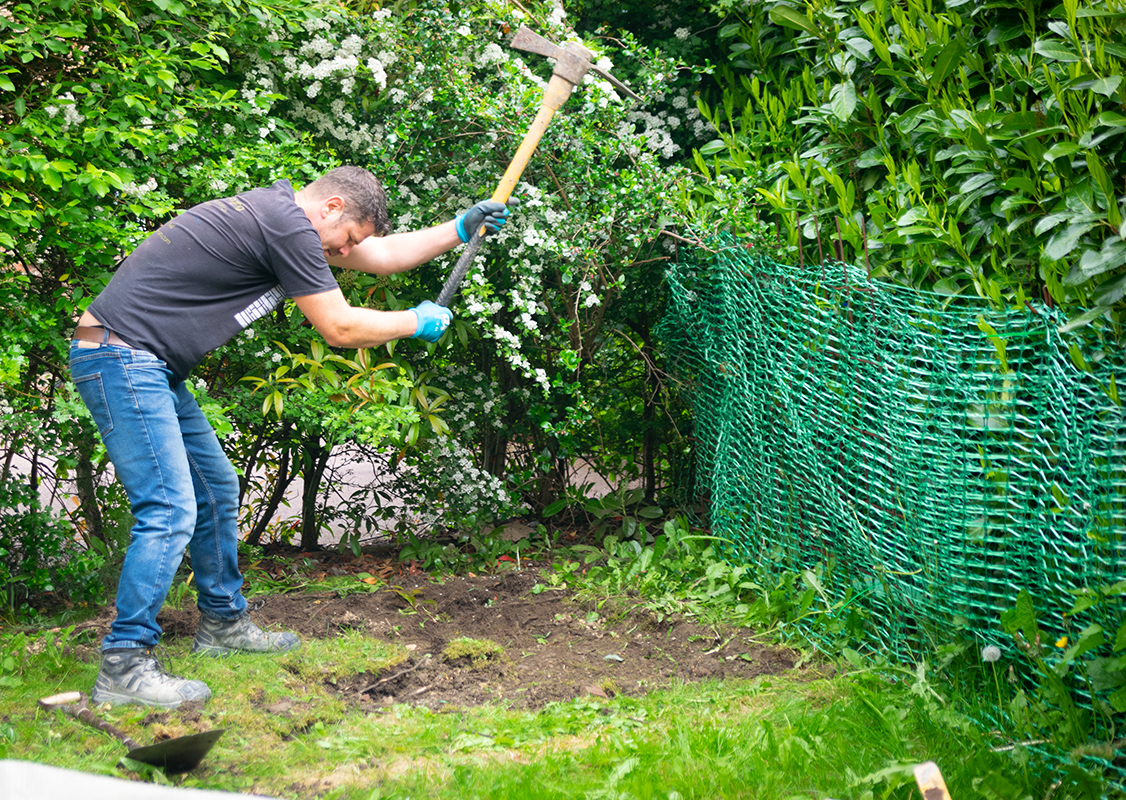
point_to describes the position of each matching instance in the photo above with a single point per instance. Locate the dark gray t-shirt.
(210, 272)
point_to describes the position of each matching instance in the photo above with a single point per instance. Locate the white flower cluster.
(458, 489)
(134, 190)
(71, 117)
(492, 54)
(325, 61)
(656, 128)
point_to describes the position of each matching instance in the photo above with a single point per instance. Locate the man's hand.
(489, 213)
(433, 320)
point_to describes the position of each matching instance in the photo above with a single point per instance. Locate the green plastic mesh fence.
(937, 456)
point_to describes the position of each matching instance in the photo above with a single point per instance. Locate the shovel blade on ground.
(181, 754)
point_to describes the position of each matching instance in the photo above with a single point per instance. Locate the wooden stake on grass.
(930, 782)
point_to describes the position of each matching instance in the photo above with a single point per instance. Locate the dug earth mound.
(553, 647)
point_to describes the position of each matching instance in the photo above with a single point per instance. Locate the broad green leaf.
(1091, 637)
(913, 215)
(1066, 240)
(1022, 618)
(1106, 86)
(6, 84)
(1117, 700)
(701, 165)
(1084, 319)
(842, 100)
(1098, 172)
(948, 287)
(948, 60)
(1111, 118)
(1063, 149)
(712, 147)
(1055, 50)
(976, 182)
(53, 179)
(69, 30)
(1017, 183)
(1093, 263)
(1060, 28)
(790, 18)
(1048, 131)
(1099, 12)
(1111, 292)
(861, 47)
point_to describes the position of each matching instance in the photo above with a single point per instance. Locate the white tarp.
(27, 780)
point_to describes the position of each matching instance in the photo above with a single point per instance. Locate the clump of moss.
(476, 651)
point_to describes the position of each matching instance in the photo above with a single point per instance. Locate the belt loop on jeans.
(99, 335)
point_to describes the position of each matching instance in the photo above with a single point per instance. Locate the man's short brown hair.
(364, 199)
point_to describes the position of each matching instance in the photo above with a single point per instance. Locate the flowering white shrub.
(436, 104)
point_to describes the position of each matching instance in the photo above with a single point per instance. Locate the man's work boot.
(221, 637)
(133, 675)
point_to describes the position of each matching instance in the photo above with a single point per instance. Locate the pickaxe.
(571, 64)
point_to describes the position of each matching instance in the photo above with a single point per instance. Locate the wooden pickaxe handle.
(557, 92)
(74, 704)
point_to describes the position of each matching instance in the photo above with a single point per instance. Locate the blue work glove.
(489, 213)
(433, 320)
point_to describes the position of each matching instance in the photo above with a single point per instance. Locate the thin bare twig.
(382, 681)
(695, 242)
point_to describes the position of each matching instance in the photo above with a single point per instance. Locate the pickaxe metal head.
(571, 62)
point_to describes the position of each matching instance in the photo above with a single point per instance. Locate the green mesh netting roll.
(939, 454)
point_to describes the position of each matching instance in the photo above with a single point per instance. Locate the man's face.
(339, 235)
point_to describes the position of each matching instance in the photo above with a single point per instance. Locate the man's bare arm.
(343, 325)
(400, 251)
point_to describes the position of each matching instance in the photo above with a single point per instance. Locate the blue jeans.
(181, 486)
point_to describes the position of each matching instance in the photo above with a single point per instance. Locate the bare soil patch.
(555, 648)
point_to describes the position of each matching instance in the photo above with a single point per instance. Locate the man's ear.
(332, 205)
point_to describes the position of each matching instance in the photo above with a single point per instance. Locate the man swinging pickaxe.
(571, 64)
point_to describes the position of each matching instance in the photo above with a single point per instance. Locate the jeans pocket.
(94, 396)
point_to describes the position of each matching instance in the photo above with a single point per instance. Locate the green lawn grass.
(287, 735)
(839, 730)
